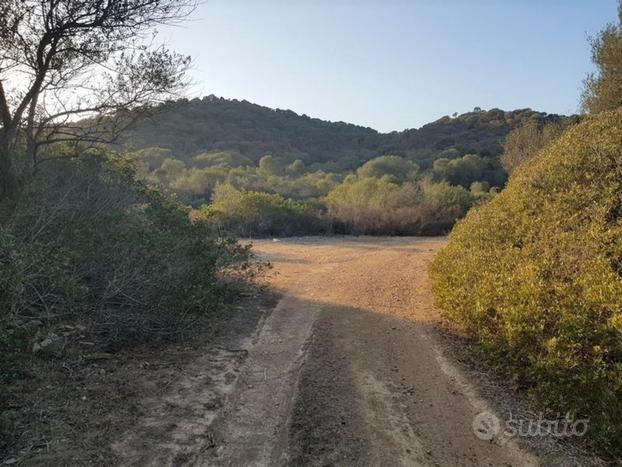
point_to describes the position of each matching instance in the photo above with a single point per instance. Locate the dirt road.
(343, 361)
(348, 369)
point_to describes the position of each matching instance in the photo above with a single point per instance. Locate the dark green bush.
(86, 238)
(536, 276)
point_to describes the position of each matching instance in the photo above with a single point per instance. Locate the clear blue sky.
(394, 64)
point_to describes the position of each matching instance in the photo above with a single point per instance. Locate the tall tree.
(603, 89)
(67, 60)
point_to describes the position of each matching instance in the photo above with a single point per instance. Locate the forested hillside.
(258, 171)
(191, 127)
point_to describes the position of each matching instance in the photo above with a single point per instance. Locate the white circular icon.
(486, 426)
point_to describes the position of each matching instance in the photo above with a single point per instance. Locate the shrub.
(379, 206)
(536, 276)
(395, 167)
(87, 239)
(257, 214)
(525, 141)
(444, 194)
(468, 169)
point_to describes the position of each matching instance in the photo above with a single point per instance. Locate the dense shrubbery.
(536, 276)
(469, 169)
(386, 195)
(396, 168)
(304, 176)
(603, 89)
(257, 214)
(393, 202)
(87, 240)
(380, 206)
(89, 247)
(527, 140)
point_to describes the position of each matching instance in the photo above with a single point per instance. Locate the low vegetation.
(535, 276)
(378, 200)
(90, 254)
(258, 214)
(87, 237)
(386, 195)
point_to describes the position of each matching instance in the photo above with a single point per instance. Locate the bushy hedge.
(359, 206)
(536, 276)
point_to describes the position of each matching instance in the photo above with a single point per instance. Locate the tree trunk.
(9, 185)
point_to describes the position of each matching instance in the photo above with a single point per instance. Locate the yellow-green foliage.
(251, 213)
(536, 276)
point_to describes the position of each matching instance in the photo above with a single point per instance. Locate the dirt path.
(344, 363)
(348, 370)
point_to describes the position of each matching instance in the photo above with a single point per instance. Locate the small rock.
(52, 346)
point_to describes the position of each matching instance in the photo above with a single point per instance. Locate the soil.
(137, 406)
(352, 365)
(355, 367)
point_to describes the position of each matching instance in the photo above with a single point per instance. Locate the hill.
(191, 127)
(260, 171)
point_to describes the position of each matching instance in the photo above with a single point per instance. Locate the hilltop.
(191, 127)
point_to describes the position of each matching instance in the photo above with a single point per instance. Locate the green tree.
(524, 142)
(170, 170)
(220, 159)
(269, 165)
(251, 213)
(480, 187)
(395, 167)
(296, 168)
(363, 193)
(461, 171)
(443, 195)
(603, 89)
